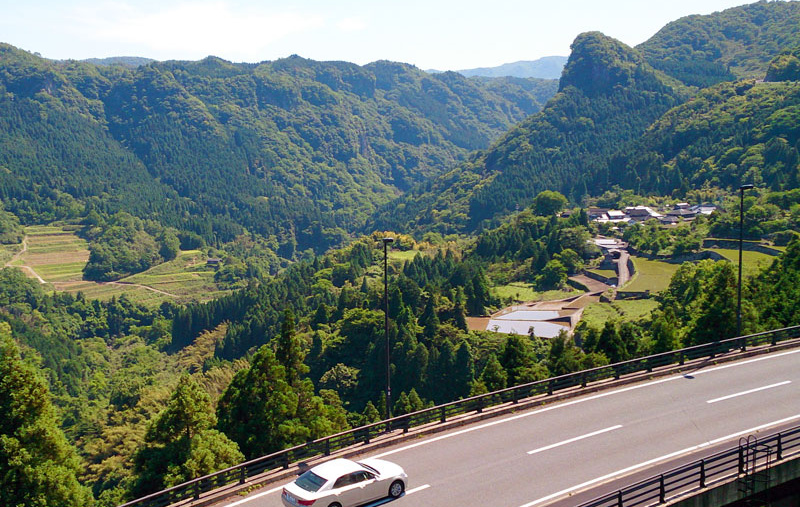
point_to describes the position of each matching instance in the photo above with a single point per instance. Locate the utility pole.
(386, 242)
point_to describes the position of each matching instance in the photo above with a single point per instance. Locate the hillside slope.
(733, 44)
(608, 95)
(295, 150)
(587, 138)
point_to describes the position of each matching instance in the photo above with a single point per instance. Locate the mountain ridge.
(551, 150)
(547, 67)
(605, 85)
(297, 150)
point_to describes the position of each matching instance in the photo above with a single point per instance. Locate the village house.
(641, 213)
(681, 212)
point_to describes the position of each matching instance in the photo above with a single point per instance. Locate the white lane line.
(571, 440)
(253, 497)
(751, 391)
(547, 409)
(418, 488)
(275, 490)
(734, 364)
(656, 460)
(583, 399)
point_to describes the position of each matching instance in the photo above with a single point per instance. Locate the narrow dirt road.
(29, 269)
(130, 284)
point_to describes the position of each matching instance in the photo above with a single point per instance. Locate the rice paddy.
(56, 255)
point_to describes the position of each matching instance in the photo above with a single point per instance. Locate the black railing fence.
(689, 478)
(476, 404)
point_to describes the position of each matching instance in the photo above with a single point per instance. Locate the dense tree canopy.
(295, 151)
(269, 165)
(38, 467)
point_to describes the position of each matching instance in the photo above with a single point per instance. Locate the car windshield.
(310, 481)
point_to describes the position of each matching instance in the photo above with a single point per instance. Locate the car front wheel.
(396, 489)
(335, 504)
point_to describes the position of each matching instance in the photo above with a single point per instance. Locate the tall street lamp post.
(386, 242)
(741, 236)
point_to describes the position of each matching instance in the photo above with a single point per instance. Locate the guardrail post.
(744, 345)
(514, 397)
(702, 473)
(774, 339)
(741, 459)
(406, 424)
(550, 387)
(480, 405)
(443, 417)
(327, 447)
(285, 459)
(662, 491)
(780, 446)
(619, 498)
(681, 358)
(242, 475)
(197, 490)
(583, 379)
(616, 373)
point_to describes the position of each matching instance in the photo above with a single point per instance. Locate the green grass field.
(752, 262)
(520, 291)
(650, 275)
(608, 273)
(596, 314)
(635, 309)
(401, 256)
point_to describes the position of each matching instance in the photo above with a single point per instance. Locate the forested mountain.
(548, 67)
(733, 44)
(611, 123)
(608, 95)
(294, 150)
(125, 61)
(730, 133)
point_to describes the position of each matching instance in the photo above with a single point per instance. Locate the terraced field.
(651, 275)
(752, 262)
(56, 255)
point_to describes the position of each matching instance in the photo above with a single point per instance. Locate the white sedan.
(344, 483)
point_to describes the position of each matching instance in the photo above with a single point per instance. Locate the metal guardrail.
(689, 478)
(325, 446)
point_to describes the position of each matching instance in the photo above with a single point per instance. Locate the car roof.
(335, 468)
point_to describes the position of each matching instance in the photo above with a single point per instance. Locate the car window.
(310, 481)
(343, 481)
(363, 476)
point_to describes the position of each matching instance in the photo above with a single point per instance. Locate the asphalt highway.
(573, 448)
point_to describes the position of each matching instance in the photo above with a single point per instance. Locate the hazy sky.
(431, 34)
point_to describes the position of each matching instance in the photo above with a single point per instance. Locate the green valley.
(194, 250)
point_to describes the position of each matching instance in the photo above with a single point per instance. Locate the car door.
(357, 488)
(348, 491)
(372, 487)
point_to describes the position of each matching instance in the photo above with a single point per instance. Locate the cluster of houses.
(681, 212)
